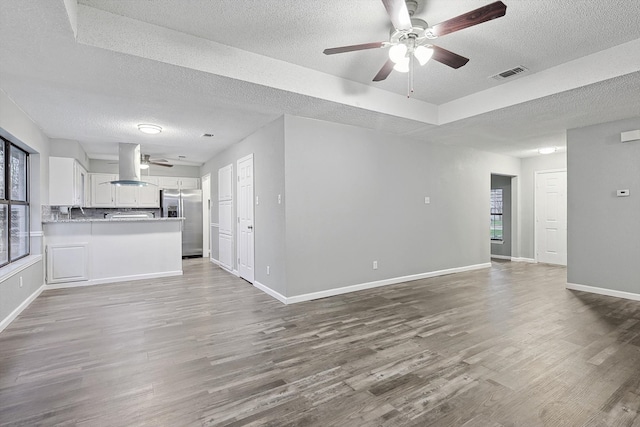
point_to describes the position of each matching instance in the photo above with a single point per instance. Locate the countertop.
(85, 220)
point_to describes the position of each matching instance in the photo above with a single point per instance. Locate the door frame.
(237, 233)
(535, 209)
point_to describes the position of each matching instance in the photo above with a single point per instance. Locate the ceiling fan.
(411, 37)
(146, 160)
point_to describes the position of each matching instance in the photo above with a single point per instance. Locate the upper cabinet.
(103, 194)
(106, 195)
(178, 183)
(68, 182)
(149, 196)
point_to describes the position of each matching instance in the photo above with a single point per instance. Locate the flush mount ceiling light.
(547, 150)
(149, 129)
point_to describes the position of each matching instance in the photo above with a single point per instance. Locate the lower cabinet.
(68, 262)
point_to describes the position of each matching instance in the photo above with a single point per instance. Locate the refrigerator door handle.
(181, 213)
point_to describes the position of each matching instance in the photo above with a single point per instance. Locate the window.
(496, 214)
(14, 203)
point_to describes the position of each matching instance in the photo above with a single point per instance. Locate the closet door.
(225, 217)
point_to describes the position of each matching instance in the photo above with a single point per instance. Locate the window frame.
(9, 202)
(494, 213)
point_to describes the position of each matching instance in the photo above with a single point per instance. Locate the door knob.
(250, 227)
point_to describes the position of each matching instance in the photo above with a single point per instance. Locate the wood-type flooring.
(505, 346)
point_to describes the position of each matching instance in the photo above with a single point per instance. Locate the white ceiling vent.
(510, 73)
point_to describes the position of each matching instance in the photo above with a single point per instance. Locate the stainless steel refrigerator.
(187, 204)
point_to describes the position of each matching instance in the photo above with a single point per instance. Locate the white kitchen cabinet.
(126, 196)
(105, 195)
(149, 196)
(169, 182)
(189, 183)
(178, 183)
(102, 192)
(68, 262)
(68, 182)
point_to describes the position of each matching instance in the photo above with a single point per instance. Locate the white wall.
(267, 146)
(355, 195)
(70, 149)
(19, 128)
(604, 230)
(111, 166)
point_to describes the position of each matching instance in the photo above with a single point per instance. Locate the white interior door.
(225, 217)
(551, 217)
(206, 215)
(245, 218)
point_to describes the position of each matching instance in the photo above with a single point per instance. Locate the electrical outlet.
(20, 281)
(427, 200)
(375, 265)
(279, 199)
(268, 270)
(257, 200)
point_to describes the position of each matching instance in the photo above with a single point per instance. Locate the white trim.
(16, 267)
(15, 313)
(65, 285)
(603, 291)
(507, 257)
(267, 290)
(519, 259)
(219, 264)
(36, 234)
(371, 285)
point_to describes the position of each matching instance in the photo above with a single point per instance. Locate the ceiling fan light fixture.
(398, 53)
(423, 54)
(402, 66)
(547, 150)
(144, 166)
(149, 129)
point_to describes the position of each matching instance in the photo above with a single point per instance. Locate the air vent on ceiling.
(510, 73)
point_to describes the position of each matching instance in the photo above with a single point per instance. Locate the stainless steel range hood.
(129, 165)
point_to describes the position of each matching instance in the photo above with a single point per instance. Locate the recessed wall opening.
(501, 216)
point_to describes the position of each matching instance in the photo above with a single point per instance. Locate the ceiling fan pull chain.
(410, 89)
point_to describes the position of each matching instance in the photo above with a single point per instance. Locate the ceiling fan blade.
(352, 48)
(161, 164)
(469, 19)
(449, 58)
(159, 160)
(397, 11)
(384, 72)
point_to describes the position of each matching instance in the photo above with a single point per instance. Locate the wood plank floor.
(506, 346)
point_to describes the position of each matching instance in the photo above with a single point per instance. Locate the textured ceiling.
(228, 67)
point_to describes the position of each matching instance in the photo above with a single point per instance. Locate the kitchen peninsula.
(91, 251)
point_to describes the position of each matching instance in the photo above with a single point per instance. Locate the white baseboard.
(93, 282)
(363, 286)
(507, 257)
(267, 290)
(11, 317)
(219, 264)
(603, 291)
(518, 259)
